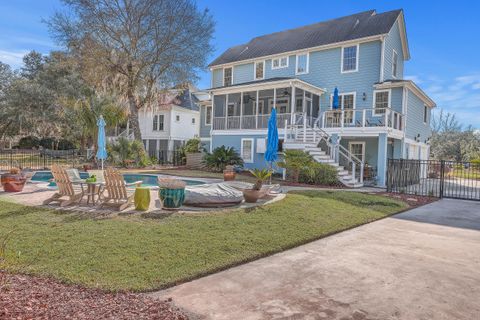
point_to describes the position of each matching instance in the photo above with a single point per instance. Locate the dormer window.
(259, 70)
(280, 63)
(394, 64)
(227, 76)
(350, 59)
(302, 63)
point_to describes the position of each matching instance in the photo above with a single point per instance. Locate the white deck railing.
(248, 121)
(363, 118)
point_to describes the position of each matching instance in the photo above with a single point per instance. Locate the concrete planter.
(194, 160)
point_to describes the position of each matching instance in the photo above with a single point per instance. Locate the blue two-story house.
(380, 115)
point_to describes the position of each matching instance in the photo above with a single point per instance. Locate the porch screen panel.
(283, 100)
(219, 105)
(264, 108)
(233, 111)
(298, 100)
(248, 110)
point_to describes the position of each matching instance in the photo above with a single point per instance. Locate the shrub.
(124, 151)
(48, 143)
(294, 162)
(29, 142)
(64, 144)
(222, 157)
(319, 173)
(193, 146)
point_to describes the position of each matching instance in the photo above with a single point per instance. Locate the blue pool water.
(148, 180)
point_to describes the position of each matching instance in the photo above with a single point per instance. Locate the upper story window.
(381, 101)
(259, 70)
(177, 118)
(350, 59)
(394, 64)
(158, 122)
(302, 63)
(425, 114)
(279, 63)
(193, 120)
(208, 116)
(227, 76)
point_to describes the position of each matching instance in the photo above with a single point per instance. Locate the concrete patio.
(421, 264)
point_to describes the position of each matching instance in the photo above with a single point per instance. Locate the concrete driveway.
(422, 264)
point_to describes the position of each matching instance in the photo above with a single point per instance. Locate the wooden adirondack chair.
(67, 193)
(117, 193)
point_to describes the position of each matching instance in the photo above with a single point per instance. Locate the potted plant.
(13, 181)
(223, 159)
(193, 153)
(171, 193)
(252, 195)
(229, 173)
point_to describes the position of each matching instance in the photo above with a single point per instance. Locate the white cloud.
(414, 78)
(13, 58)
(460, 95)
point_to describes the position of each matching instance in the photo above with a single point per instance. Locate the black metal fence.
(449, 179)
(37, 159)
(173, 158)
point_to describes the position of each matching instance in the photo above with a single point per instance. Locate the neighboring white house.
(168, 125)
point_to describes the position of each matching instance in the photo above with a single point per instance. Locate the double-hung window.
(247, 150)
(158, 122)
(279, 63)
(208, 116)
(394, 64)
(381, 101)
(302, 63)
(227, 76)
(259, 70)
(350, 59)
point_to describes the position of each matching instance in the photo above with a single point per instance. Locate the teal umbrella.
(101, 142)
(272, 136)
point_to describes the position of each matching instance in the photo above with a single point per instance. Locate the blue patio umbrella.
(272, 136)
(335, 100)
(101, 143)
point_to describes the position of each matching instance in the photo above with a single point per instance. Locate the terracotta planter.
(13, 182)
(228, 175)
(252, 196)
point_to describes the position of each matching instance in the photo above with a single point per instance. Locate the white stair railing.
(335, 151)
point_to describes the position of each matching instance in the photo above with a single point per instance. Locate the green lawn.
(143, 253)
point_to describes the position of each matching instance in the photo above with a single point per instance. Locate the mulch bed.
(27, 297)
(411, 200)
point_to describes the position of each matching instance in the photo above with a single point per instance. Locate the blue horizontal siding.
(415, 124)
(217, 78)
(235, 142)
(393, 41)
(204, 129)
(243, 73)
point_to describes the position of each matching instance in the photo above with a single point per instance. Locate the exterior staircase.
(319, 144)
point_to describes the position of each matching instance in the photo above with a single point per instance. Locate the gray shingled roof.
(356, 26)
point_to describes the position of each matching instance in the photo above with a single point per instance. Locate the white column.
(212, 127)
(256, 109)
(293, 105)
(241, 109)
(226, 111)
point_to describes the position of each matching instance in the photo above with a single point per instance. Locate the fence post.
(442, 177)
(389, 164)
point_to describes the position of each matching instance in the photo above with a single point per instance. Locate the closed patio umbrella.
(272, 136)
(101, 143)
(335, 99)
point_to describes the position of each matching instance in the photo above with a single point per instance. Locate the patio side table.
(94, 190)
(142, 198)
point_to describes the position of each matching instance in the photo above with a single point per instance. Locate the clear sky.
(444, 37)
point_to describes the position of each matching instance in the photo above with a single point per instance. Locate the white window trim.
(308, 63)
(357, 142)
(357, 58)
(279, 64)
(158, 122)
(255, 70)
(223, 75)
(393, 60)
(211, 115)
(354, 93)
(374, 113)
(251, 150)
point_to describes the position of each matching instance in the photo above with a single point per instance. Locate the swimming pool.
(148, 180)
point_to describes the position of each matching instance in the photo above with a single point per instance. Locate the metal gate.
(435, 178)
